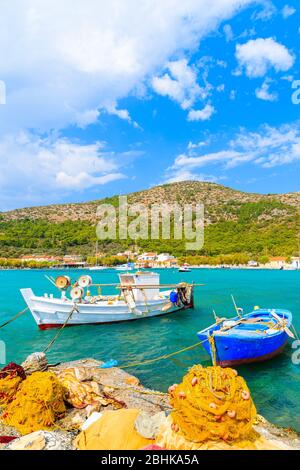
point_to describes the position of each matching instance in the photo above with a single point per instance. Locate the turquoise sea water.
(275, 384)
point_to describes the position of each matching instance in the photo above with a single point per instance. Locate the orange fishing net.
(8, 389)
(37, 404)
(78, 393)
(210, 404)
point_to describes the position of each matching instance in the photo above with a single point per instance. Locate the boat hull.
(54, 313)
(250, 360)
(236, 349)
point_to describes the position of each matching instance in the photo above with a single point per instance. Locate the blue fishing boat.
(257, 336)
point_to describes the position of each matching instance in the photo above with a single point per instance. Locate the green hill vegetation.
(237, 225)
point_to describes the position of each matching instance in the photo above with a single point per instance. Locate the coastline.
(241, 267)
(120, 387)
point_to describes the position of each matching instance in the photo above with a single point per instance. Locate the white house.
(295, 262)
(163, 257)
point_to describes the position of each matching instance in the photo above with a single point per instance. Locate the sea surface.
(275, 385)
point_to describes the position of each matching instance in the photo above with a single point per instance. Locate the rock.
(147, 425)
(43, 440)
(33, 441)
(73, 419)
(35, 362)
(7, 431)
(280, 437)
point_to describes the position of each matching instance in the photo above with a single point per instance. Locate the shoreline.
(111, 268)
(121, 389)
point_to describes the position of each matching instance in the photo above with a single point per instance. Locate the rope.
(74, 308)
(295, 331)
(137, 390)
(14, 318)
(212, 343)
(145, 298)
(165, 356)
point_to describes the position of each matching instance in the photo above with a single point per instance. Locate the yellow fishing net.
(37, 404)
(210, 404)
(8, 389)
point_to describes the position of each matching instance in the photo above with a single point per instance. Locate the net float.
(182, 395)
(175, 427)
(172, 388)
(231, 413)
(245, 395)
(194, 381)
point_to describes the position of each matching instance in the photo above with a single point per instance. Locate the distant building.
(40, 258)
(166, 260)
(296, 262)
(128, 254)
(154, 260)
(252, 264)
(278, 262)
(72, 258)
(147, 257)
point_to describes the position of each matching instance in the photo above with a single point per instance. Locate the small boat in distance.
(97, 268)
(139, 297)
(184, 269)
(255, 337)
(125, 267)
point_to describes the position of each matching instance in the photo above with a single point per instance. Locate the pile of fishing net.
(212, 404)
(38, 403)
(82, 391)
(10, 378)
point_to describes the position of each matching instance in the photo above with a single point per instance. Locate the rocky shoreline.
(120, 389)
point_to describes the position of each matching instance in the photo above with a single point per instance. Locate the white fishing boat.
(139, 297)
(184, 269)
(125, 267)
(97, 268)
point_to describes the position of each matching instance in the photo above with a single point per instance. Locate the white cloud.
(192, 145)
(68, 57)
(201, 114)
(232, 95)
(187, 175)
(268, 147)
(180, 85)
(263, 93)
(257, 56)
(83, 180)
(288, 11)
(221, 87)
(32, 168)
(71, 62)
(227, 29)
(121, 113)
(266, 12)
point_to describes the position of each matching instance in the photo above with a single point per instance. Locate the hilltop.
(236, 221)
(214, 196)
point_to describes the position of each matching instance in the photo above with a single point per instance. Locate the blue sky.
(116, 98)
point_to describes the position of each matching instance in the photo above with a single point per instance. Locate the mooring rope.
(160, 358)
(14, 318)
(74, 309)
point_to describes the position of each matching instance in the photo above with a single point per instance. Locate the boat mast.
(96, 254)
